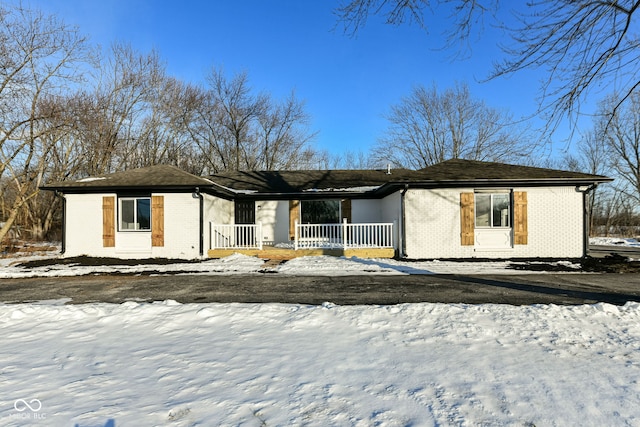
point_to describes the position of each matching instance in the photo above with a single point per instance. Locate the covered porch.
(363, 240)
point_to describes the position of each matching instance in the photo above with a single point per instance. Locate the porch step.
(270, 263)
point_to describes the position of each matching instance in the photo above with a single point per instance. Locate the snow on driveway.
(310, 265)
(170, 364)
(166, 364)
(243, 264)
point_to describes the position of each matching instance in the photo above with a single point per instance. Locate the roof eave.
(530, 182)
(305, 195)
(115, 188)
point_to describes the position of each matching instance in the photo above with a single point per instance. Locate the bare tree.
(39, 58)
(428, 127)
(114, 109)
(582, 45)
(161, 136)
(62, 161)
(284, 135)
(354, 160)
(236, 129)
(593, 156)
(238, 108)
(464, 15)
(621, 134)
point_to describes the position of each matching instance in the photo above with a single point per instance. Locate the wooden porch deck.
(269, 252)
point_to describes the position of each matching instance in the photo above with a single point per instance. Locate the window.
(135, 213)
(493, 209)
(320, 211)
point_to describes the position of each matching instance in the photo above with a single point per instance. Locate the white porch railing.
(235, 236)
(307, 236)
(345, 235)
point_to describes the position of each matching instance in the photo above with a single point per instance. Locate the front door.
(245, 212)
(245, 217)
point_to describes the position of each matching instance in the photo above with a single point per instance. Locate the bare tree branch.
(429, 126)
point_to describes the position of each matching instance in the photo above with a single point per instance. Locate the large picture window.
(320, 211)
(135, 213)
(493, 209)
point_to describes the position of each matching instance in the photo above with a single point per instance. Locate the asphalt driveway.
(524, 289)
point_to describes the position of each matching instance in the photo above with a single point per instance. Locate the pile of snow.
(270, 364)
(614, 241)
(316, 265)
(178, 365)
(307, 266)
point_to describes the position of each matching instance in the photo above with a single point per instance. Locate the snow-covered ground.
(242, 264)
(239, 264)
(170, 364)
(167, 364)
(614, 241)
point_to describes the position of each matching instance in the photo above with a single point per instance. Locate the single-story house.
(454, 209)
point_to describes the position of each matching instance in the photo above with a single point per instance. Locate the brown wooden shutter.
(294, 215)
(345, 207)
(108, 221)
(520, 227)
(467, 219)
(157, 220)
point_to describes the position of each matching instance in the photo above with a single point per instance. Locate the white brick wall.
(84, 226)
(273, 215)
(555, 221)
(433, 224)
(181, 228)
(366, 210)
(217, 210)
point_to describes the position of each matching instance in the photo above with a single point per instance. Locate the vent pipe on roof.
(388, 168)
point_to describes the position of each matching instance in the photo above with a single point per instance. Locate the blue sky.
(348, 83)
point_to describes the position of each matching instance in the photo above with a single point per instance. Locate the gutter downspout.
(201, 224)
(585, 219)
(63, 237)
(403, 229)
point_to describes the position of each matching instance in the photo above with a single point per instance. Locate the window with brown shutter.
(467, 219)
(520, 226)
(108, 221)
(157, 220)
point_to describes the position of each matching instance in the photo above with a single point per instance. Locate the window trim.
(339, 213)
(135, 213)
(491, 194)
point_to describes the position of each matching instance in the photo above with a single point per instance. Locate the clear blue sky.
(348, 83)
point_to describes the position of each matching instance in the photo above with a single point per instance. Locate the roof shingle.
(354, 181)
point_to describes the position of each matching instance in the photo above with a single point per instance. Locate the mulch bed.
(610, 264)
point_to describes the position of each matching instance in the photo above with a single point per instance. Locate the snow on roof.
(91, 179)
(361, 189)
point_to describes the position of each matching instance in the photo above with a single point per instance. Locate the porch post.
(344, 233)
(259, 235)
(295, 235)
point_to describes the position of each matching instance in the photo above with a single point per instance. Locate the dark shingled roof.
(378, 182)
(160, 176)
(466, 170)
(308, 180)
(452, 172)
